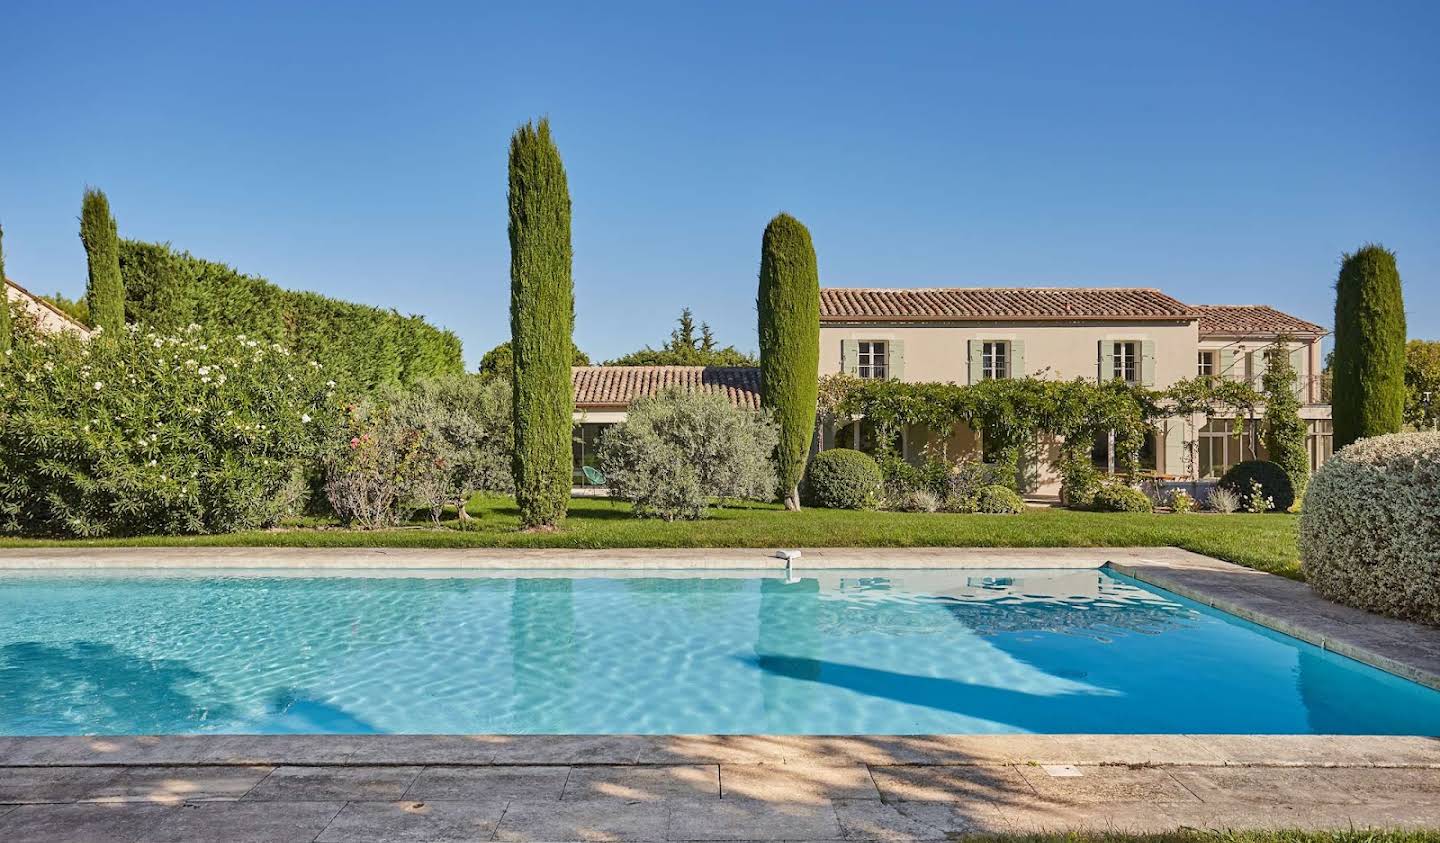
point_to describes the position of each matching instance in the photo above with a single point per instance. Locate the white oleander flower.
(99, 385)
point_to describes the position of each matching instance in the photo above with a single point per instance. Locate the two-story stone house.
(1142, 336)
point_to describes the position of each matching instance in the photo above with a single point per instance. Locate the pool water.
(845, 652)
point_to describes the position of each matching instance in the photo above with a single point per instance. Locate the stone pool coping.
(1406, 649)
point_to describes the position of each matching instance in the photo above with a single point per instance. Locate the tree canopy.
(687, 348)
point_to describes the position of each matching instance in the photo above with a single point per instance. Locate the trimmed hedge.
(1370, 531)
(1274, 481)
(999, 500)
(169, 290)
(1113, 497)
(842, 478)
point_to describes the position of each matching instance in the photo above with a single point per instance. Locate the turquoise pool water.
(884, 652)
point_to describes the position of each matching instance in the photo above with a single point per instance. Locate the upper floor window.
(1207, 364)
(995, 361)
(1127, 361)
(874, 359)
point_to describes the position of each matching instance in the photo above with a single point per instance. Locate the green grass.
(1265, 542)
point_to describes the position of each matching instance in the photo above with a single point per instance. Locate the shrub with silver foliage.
(1223, 500)
(1370, 530)
(678, 450)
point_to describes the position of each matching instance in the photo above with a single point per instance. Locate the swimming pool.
(840, 652)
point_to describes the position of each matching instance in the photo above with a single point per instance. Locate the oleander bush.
(842, 478)
(678, 451)
(1117, 497)
(1274, 485)
(139, 432)
(1370, 530)
(996, 499)
(1181, 501)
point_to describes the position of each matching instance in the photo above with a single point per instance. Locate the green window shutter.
(850, 357)
(977, 349)
(1236, 370)
(1107, 362)
(1147, 362)
(1297, 362)
(1175, 447)
(1017, 358)
(897, 360)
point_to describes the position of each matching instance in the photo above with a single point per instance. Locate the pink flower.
(354, 441)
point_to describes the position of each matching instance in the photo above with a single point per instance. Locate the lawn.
(1265, 542)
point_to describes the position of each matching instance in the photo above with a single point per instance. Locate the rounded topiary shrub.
(1370, 531)
(842, 479)
(1274, 483)
(999, 500)
(1114, 497)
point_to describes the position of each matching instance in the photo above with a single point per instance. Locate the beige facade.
(47, 317)
(908, 337)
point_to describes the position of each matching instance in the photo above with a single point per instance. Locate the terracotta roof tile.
(1251, 319)
(617, 386)
(840, 304)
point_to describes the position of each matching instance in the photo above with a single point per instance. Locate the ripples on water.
(841, 653)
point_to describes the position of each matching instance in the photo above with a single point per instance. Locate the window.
(1222, 445)
(1207, 364)
(585, 448)
(995, 361)
(1127, 361)
(874, 359)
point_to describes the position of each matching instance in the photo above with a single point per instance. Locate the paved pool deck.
(706, 787)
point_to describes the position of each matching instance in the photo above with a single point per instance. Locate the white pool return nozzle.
(789, 556)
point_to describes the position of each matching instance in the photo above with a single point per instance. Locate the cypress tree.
(1284, 432)
(542, 319)
(104, 292)
(1368, 392)
(5, 327)
(789, 308)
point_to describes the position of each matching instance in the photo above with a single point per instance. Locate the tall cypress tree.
(789, 307)
(542, 320)
(1368, 393)
(104, 292)
(1284, 431)
(5, 326)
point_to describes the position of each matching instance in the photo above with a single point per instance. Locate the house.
(47, 316)
(1140, 335)
(602, 394)
(965, 335)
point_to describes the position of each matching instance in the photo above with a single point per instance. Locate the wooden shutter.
(1147, 362)
(1106, 365)
(977, 353)
(1297, 362)
(1017, 358)
(1235, 370)
(896, 349)
(1175, 447)
(850, 357)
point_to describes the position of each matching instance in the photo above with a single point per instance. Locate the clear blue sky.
(1224, 152)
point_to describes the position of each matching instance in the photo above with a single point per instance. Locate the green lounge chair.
(593, 475)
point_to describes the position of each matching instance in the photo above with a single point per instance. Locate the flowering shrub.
(678, 450)
(1256, 500)
(1181, 501)
(200, 432)
(423, 447)
(1370, 529)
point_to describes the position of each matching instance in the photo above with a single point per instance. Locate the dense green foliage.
(499, 362)
(5, 323)
(424, 447)
(542, 323)
(76, 309)
(842, 478)
(105, 290)
(1274, 481)
(200, 432)
(686, 348)
(1370, 532)
(361, 345)
(1368, 390)
(1422, 384)
(679, 450)
(789, 306)
(999, 500)
(1265, 542)
(1209, 396)
(1117, 497)
(1284, 432)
